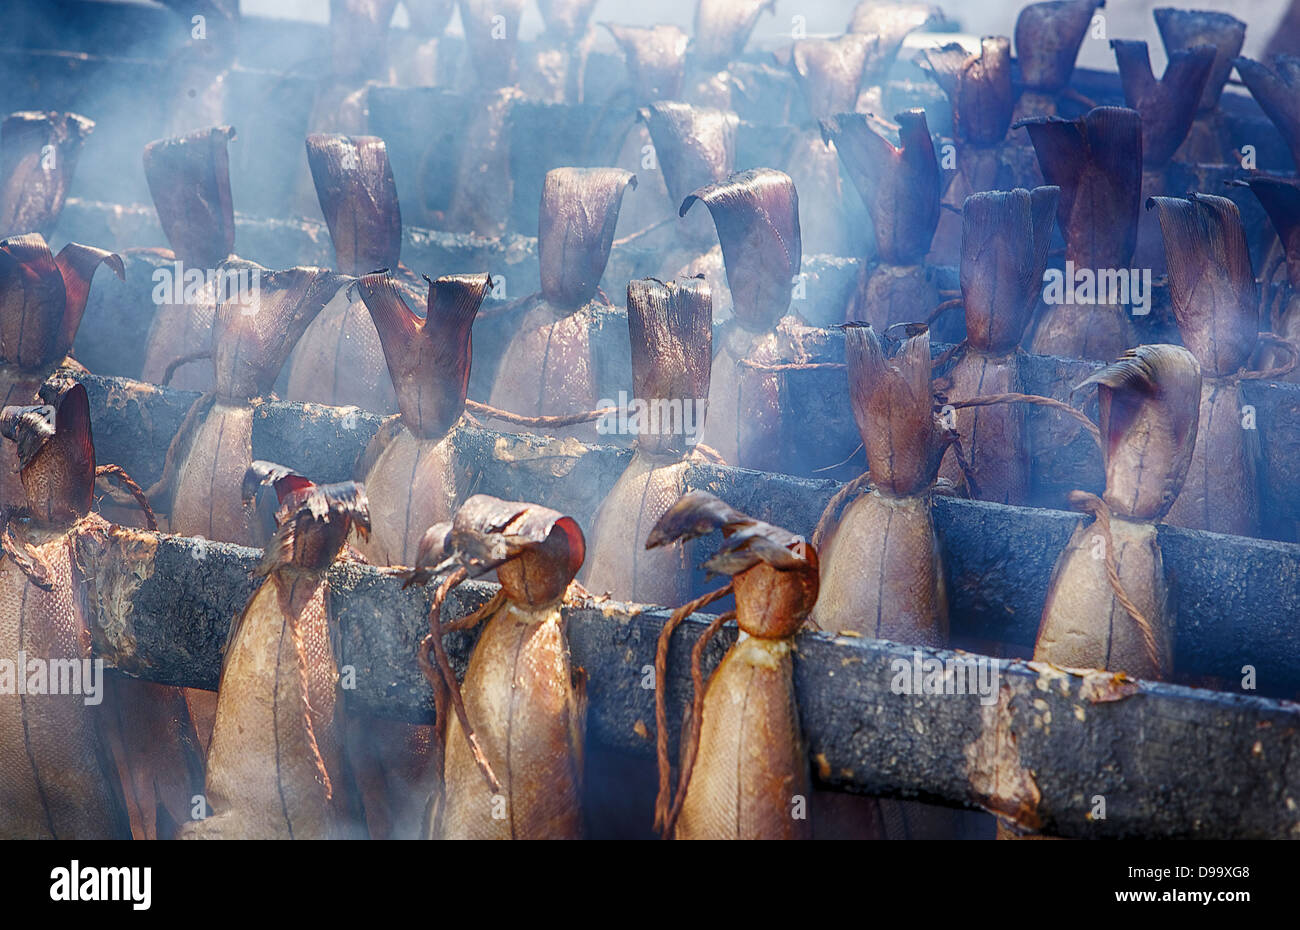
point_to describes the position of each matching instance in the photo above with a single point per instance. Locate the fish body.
(1085, 626)
(57, 780)
(752, 765)
(882, 573)
(618, 561)
(548, 368)
(745, 404)
(275, 763)
(530, 719)
(1219, 493)
(992, 438)
(411, 485)
(207, 501)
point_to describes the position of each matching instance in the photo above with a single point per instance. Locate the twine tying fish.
(665, 810)
(1094, 505)
(444, 678)
(118, 474)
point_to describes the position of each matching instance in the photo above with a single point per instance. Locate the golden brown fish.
(548, 367)
(1096, 161)
(882, 572)
(66, 755)
(276, 768)
(756, 213)
(900, 185)
(408, 468)
(1005, 237)
(254, 330)
(1212, 288)
(339, 359)
(672, 341)
(1149, 402)
(189, 180)
(523, 698)
(744, 765)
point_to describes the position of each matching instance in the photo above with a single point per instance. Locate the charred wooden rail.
(1169, 761)
(1238, 598)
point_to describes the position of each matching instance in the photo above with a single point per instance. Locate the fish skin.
(752, 761)
(57, 780)
(208, 500)
(275, 763)
(343, 341)
(744, 424)
(1085, 626)
(529, 717)
(1091, 331)
(992, 438)
(176, 331)
(617, 560)
(548, 368)
(412, 484)
(882, 574)
(1219, 493)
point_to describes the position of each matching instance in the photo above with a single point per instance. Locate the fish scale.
(55, 778)
(529, 721)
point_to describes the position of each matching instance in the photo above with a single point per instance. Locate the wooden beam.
(1168, 761)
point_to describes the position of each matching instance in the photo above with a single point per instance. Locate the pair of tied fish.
(126, 764)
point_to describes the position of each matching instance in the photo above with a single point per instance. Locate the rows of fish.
(275, 753)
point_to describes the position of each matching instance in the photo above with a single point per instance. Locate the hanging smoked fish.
(1047, 39)
(743, 765)
(722, 29)
(548, 368)
(42, 298)
(672, 344)
(695, 147)
(513, 751)
(1167, 108)
(339, 359)
(1209, 140)
(1277, 91)
(891, 22)
(1212, 288)
(276, 767)
(900, 185)
(882, 574)
(1048, 36)
(1005, 238)
(1280, 198)
(410, 470)
(1107, 604)
(409, 466)
(756, 213)
(38, 155)
(830, 73)
(189, 180)
(59, 778)
(1096, 161)
(254, 329)
(656, 60)
(979, 89)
